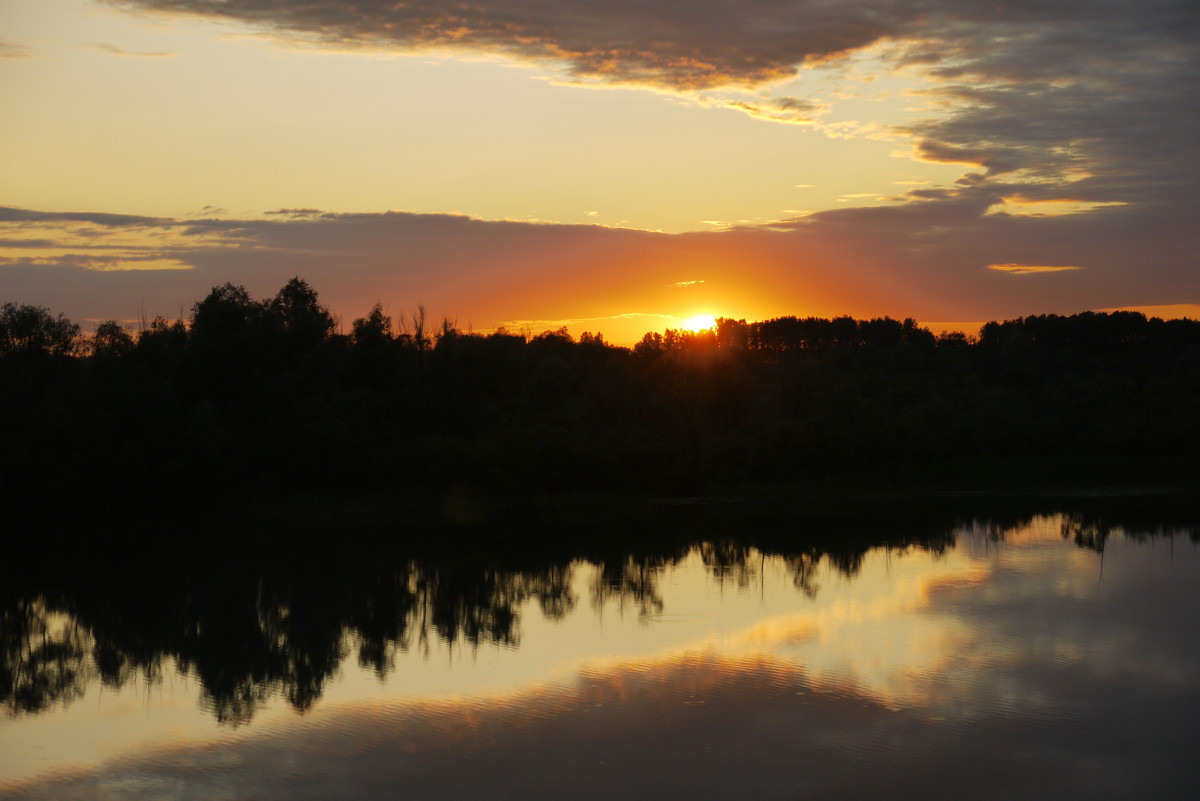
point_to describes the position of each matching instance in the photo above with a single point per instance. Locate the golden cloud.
(1026, 269)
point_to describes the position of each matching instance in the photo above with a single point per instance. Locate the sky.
(608, 165)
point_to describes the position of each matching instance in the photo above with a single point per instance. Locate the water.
(1044, 657)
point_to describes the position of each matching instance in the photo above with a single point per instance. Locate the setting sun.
(701, 322)
(787, 325)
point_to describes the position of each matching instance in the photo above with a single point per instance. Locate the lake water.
(1047, 656)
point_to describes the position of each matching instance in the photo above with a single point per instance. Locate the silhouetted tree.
(305, 322)
(111, 340)
(880, 332)
(844, 332)
(162, 341)
(27, 329)
(732, 334)
(372, 331)
(651, 344)
(418, 337)
(224, 314)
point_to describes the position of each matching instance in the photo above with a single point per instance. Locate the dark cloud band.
(1044, 93)
(691, 45)
(11, 214)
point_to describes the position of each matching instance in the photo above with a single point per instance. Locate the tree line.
(266, 398)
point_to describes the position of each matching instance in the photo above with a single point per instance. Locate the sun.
(701, 322)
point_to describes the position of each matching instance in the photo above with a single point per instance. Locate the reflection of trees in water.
(731, 561)
(803, 568)
(1145, 518)
(1090, 534)
(633, 581)
(247, 637)
(47, 657)
(253, 631)
(1093, 533)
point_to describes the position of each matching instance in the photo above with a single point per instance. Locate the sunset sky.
(609, 165)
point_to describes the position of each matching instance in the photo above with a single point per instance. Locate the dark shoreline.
(467, 511)
(257, 406)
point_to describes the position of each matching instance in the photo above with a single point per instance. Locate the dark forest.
(263, 400)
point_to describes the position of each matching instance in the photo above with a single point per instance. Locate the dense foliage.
(259, 398)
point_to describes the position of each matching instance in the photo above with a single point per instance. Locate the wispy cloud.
(10, 50)
(113, 50)
(294, 213)
(35, 244)
(89, 241)
(1029, 269)
(113, 262)
(790, 110)
(10, 214)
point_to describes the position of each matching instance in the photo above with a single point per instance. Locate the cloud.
(791, 110)
(28, 243)
(116, 51)
(1034, 96)
(679, 46)
(1028, 269)
(1096, 99)
(10, 50)
(122, 262)
(470, 270)
(931, 258)
(36, 245)
(9, 214)
(294, 213)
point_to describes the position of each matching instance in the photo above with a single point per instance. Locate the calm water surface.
(1041, 659)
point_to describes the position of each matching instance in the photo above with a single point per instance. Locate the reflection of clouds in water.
(616, 711)
(1053, 630)
(1029, 623)
(690, 724)
(696, 725)
(1006, 667)
(860, 638)
(874, 633)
